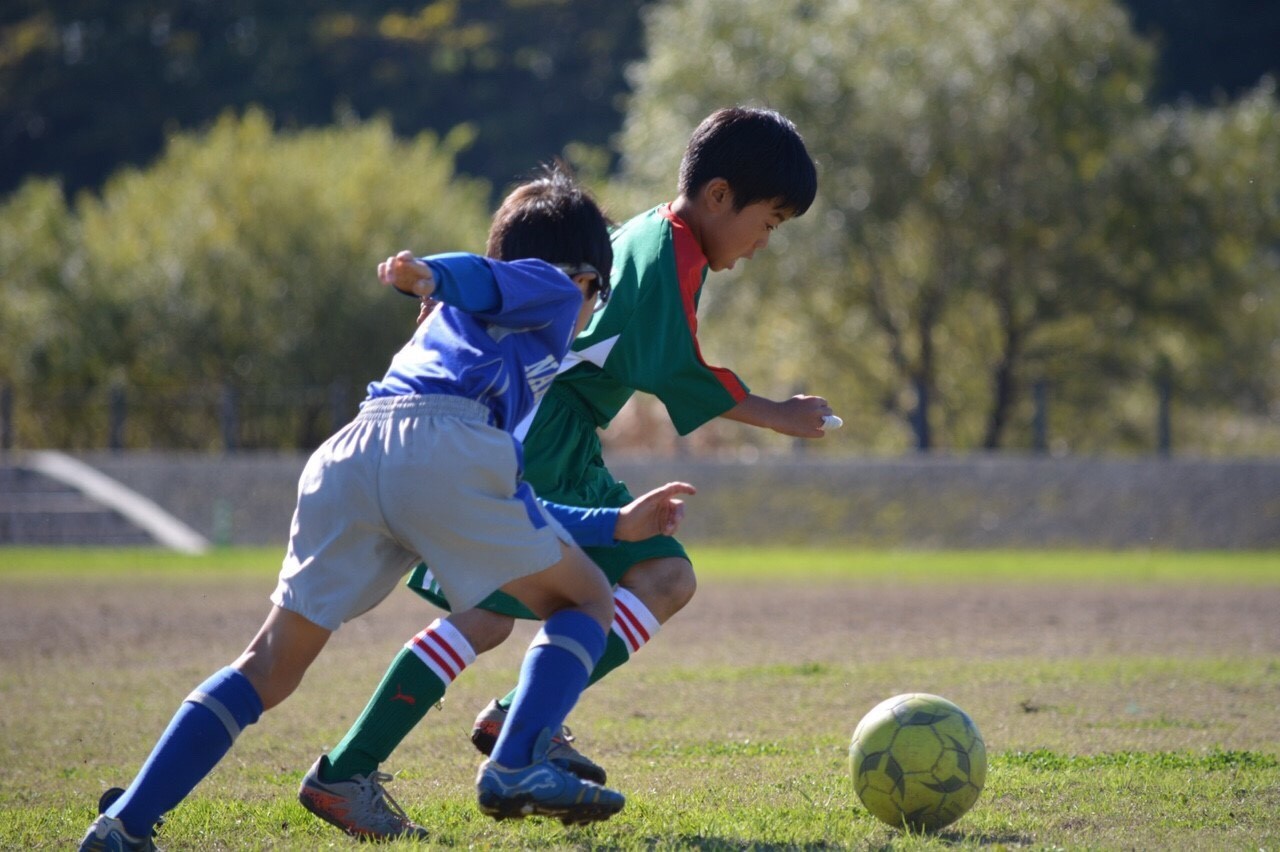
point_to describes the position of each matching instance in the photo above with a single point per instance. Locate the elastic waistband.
(391, 407)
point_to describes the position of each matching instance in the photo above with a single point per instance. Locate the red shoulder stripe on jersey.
(690, 262)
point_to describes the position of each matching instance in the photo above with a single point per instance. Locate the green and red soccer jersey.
(646, 340)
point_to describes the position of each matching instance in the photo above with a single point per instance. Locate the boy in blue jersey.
(429, 469)
(745, 172)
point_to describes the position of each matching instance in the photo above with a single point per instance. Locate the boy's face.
(729, 235)
(588, 283)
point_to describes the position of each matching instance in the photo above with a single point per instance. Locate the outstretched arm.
(658, 512)
(801, 416)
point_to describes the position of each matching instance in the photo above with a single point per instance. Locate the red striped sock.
(632, 621)
(443, 649)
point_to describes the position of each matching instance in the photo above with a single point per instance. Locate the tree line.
(1008, 213)
(88, 86)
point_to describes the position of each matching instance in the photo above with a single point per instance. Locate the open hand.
(658, 512)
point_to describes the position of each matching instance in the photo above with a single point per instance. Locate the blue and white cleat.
(488, 727)
(107, 834)
(543, 788)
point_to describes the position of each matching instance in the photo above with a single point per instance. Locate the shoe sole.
(520, 807)
(485, 743)
(108, 798)
(315, 807)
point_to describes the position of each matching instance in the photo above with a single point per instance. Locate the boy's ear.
(718, 194)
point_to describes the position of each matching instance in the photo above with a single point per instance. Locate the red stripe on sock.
(457, 658)
(627, 635)
(631, 617)
(440, 661)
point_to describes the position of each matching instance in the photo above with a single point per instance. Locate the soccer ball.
(917, 761)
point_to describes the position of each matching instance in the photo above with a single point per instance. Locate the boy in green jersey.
(744, 173)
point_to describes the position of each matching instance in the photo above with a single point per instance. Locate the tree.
(88, 86)
(242, 262)
(983, 220)
(39, 259)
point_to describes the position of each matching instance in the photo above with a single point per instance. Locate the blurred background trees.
(1037, 221)
(89, 85)
(1002, 207)
(236, 270)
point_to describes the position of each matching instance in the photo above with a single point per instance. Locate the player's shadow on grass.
(722, 844)
(982, 838)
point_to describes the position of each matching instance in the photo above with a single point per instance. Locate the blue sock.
(198, 736)
(554, 673)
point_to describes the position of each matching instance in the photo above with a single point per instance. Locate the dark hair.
(758, 151)
(552, 218)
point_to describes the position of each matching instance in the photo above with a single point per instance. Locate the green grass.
(717, 748)
(1084, 566)
(766, 564)
(148, 564)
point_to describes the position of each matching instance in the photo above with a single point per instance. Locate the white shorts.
(412, 479)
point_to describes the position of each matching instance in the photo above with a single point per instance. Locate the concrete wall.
(917, 502)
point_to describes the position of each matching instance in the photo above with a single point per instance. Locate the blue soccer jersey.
(497, 338)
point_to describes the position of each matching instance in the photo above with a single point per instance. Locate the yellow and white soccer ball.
(918, 761)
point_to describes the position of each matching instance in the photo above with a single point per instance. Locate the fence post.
(117, 411)
(229, 419)
(1164, 416)
(6, 418)
(1164, 403)
(920, 417)
(1040, 421)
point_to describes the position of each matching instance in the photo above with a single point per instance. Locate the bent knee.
(664, 585)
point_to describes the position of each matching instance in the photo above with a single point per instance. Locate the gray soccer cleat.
(488, 725)
(107, 834)
(360, 806)
(543, 788)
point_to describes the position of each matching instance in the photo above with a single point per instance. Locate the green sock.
(408, 690)
(615, 654)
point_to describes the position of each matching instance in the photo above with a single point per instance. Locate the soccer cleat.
(484, 735)
(360, 806)
(543, 788)
(107, 834)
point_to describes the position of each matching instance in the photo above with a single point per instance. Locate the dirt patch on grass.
(727, 621)
(870, 621)
(1076, 670)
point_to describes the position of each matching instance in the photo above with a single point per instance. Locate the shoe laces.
(378, 795)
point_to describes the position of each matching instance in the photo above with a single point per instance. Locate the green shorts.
(564, 464)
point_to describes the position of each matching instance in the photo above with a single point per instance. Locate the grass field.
(1128, 701)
